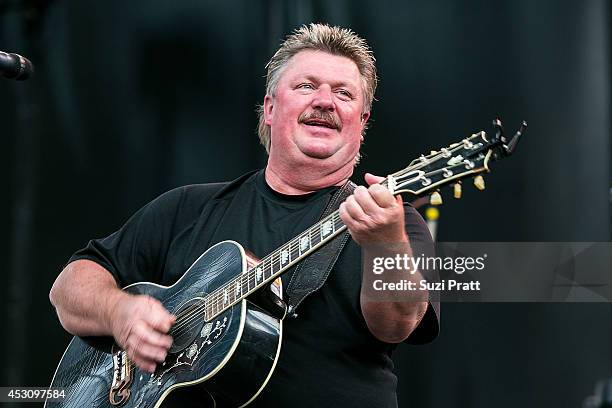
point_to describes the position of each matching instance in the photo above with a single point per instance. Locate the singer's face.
(316, 111)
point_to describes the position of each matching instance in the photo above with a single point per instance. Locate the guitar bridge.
(122, 379)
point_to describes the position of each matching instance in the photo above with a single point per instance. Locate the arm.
(373, 216)
(89, 303)
(83, 296)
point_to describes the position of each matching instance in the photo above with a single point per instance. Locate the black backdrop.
(133, 98)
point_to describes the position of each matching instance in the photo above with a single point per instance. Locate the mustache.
(324, 116)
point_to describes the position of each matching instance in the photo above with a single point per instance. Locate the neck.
(297, 180)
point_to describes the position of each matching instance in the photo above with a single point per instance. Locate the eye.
(344, 94)
(305, 86)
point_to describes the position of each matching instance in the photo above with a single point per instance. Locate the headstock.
(467, 158)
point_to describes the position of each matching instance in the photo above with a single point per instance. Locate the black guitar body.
(225, 361)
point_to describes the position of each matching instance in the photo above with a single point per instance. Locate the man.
(336, 349)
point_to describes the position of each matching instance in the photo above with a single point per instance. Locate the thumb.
(372, 179)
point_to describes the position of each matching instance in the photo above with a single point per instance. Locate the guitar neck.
(451, 164)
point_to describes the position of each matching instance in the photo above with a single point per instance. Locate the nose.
(323, 98)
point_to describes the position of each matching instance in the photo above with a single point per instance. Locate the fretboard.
(273, 265)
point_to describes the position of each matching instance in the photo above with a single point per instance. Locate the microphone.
(14, 66)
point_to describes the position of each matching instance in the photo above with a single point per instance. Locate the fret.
(244, 289)
(272, 262)
(295, 249)
(279, 259)
(337, 221)
(270, 270)
(315, 235)
(310, 238)
(267, 267)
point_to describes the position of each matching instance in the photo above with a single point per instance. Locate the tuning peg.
(433, 152)
(457, 190)
(435, 199)
(479, 182)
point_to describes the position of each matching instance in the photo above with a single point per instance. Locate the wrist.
(113, 300)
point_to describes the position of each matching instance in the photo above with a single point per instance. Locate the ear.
(364, 118)
(268, 107)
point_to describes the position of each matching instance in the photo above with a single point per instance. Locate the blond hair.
(320, 37)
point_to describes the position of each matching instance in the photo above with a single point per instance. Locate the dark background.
(132, 98)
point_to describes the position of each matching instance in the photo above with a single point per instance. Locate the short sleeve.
(420, 237)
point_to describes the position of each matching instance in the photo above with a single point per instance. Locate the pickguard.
(211, 332)
(191, 359)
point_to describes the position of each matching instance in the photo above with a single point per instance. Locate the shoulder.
(189, 195)
(192, 198)
(194, 193)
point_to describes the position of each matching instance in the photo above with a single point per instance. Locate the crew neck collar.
(269, 192)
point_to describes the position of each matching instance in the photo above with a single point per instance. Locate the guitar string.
(221, 292)
(215, 296)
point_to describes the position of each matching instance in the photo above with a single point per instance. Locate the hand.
(139, 325)
(372, 215)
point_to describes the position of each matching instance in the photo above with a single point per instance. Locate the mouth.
(320, 123)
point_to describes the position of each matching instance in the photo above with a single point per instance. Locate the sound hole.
(189, 322)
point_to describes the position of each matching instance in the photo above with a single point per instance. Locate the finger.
(399, 200)
(144, 364)
(351, 224)
(160, 321)
(158, 317)
(159, 339)
(381, 196)
(365, 200)
(151, 353)
(372, 179)
(354, 210)
(143, 336)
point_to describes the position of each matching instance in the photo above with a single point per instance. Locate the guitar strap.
(310, 275)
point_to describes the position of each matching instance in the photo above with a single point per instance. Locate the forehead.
(321, 66)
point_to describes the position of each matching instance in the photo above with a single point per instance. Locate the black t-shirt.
(328, 356)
